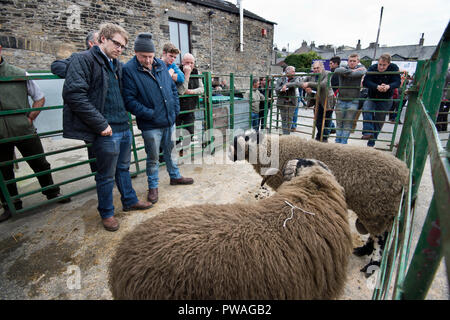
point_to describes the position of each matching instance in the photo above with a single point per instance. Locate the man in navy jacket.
(151, 95)
(381, 86)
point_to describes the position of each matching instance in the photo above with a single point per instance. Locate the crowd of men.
(343, 96)
(98, 93)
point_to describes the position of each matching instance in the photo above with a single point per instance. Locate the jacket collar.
(156, 66)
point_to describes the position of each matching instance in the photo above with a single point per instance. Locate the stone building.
(34, 33)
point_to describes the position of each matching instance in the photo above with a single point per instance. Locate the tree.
(367, 63)
(302, 61)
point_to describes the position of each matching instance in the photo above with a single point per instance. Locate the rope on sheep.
(292, 212)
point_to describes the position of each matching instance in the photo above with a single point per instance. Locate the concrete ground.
(62, 251)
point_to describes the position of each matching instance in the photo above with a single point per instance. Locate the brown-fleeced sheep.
(242, 251)
(373, 180)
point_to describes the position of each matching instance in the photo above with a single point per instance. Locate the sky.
(344, 22)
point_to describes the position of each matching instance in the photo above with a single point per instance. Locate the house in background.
(399, 53)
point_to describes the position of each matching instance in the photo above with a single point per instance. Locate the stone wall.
(34, 33)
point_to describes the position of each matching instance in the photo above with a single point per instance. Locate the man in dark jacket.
(94, 111)
(190, 86)
(381, 86)
(59, 67)
(151, 95)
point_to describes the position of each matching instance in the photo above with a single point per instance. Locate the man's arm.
(59, 67)
(38, 98)
(199, 90)
(130, 97)
(175, 98)
(178, 75)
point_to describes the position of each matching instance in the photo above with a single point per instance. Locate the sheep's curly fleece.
(373, 180)
(241, 251)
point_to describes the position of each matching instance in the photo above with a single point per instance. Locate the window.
(179, 36)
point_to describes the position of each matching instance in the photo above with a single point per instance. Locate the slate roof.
(406, 52)
(228, 7)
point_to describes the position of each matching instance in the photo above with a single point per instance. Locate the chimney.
(421, 41)
(372, 45)
(358, 46)
(313, 45)
(304, 44)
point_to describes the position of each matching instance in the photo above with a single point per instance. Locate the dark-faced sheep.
(295, 244)
(373, 180)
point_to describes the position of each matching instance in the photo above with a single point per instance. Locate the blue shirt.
(177, 70)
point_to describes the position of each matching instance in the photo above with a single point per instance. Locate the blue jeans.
(153, 139)
(374, 128)
(113, 155)
(345, 114)
(255, 121)
(294, 119)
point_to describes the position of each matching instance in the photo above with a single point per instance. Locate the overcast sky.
(343, 22)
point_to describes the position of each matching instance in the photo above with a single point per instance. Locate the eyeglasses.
(118, 44)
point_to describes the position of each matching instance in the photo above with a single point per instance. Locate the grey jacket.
(288, 97)
(323, 93)
(349, 78)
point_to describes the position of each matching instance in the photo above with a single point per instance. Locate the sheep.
(373, 180)
(295, 244)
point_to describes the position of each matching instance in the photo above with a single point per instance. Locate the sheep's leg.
(375, 260)
(366, 249)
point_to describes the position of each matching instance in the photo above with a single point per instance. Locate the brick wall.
(34, 33)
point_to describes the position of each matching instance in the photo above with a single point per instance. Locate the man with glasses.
(59, 67)
(94, 111)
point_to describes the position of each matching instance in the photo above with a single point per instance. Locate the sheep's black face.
(293, 167)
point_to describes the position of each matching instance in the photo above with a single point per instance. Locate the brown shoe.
(110, 224)
(152, 195)
(367, 136)
(140, 205)
(5, 215)
(182, 180)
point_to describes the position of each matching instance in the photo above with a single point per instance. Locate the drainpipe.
(241, 25)
(210, 14)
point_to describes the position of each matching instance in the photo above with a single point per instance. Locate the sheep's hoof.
(365, 250)
(370, 268)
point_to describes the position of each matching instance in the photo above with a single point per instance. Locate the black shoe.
(5, 216)
(56, 195)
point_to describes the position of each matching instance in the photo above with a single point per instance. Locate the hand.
(189, 91)
(284, 88)
(171, 71)
(308, 90)
(187, 69)
(304, 85)
(30, 120)
(107, 132)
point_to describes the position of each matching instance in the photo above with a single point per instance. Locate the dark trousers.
(187, 118)
(328, 115)
(27, 148)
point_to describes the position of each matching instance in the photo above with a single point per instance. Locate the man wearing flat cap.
(94, 111)
(151, 95)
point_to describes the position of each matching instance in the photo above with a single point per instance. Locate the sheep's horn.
(269, 173)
